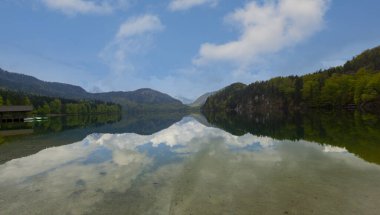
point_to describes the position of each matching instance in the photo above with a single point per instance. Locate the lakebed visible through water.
(177, 164)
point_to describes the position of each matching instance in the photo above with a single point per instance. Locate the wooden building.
(14, 113)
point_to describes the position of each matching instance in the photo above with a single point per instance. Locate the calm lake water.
(190, 164)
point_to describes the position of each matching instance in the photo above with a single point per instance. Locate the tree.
(44, 109)
(71, 108)
(27, 101)
(338, 90)
(372, 89)
(56, 106)
(362, 77)
(1, 100)
(310, 91)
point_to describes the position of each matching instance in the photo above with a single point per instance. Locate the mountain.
(355, 85)
(29, 84)
(184, 100)
(201, 100)
(142, 98)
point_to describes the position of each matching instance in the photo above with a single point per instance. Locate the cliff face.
(260, 103)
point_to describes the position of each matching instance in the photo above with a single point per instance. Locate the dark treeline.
(356, 84)
(47, 105)
(61, 123)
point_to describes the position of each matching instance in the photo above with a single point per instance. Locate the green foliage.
(372, 89)
(338, 90)
(56, 106)
(85, 107)
(357, 83)
(362, 77)
(369, 60)
(367, 86)
(285, 85)
(48, 105)
(27, 101)
(226, 97)
(311, 89)
(44, 109)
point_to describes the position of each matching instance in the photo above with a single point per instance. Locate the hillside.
(356, 84)
(142, 98)
(29, 84)
(201, 100)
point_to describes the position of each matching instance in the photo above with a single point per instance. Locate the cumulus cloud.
(266, 28)
(133, 38)
(71, 7)
(176, 5)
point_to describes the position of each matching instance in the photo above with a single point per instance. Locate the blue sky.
(181, 47)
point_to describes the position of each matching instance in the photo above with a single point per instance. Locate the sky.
(181, 47)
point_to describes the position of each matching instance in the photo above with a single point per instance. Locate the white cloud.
(139, 25)
(72, 7)
(266, 28)
(132, 39)
(176, 5)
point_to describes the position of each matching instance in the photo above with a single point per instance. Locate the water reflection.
(189, 168)
(59, 131)
(359, 133)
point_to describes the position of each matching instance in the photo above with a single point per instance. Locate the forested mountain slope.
(356, 84)
(29, 84)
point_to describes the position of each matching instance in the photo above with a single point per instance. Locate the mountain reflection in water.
(189, 168)
(59, 131)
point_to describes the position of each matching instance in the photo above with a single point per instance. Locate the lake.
(173, 163)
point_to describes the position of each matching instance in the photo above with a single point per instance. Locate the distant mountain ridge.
(144, 96)
(138, 98)
(201, 100)
(184, 100)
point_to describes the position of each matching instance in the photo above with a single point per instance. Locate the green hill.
(356, 84)
(142, 99)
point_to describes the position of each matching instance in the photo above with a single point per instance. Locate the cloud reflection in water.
(159, 170)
